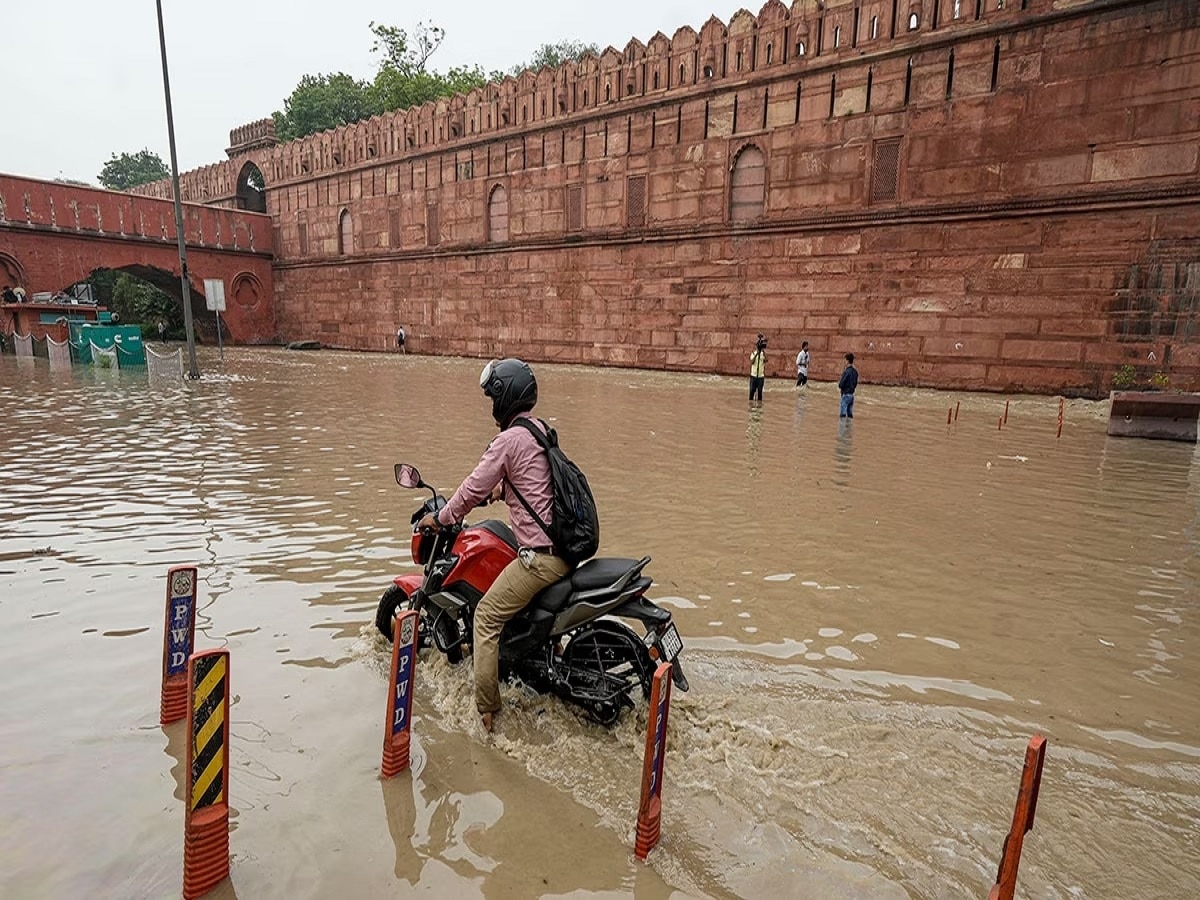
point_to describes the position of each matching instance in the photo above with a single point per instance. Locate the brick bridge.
(54, 235)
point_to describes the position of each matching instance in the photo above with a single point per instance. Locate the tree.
(320, 102)
(403, 81)
(548, 56)
(128, 170)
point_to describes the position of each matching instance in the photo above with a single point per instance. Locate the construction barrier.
(1022, 823)
(649, 823)
(206, 821)
(397, 732)
(178, 637)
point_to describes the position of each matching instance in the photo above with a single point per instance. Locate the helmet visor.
(486, 375)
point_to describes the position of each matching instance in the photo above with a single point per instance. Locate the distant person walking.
(802, 365)
(162, 331)
(758, 369)
(401, 337)
(847, 384)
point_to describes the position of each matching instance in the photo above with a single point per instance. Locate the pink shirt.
(516, 457)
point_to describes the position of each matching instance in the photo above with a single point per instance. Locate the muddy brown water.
(878, 614)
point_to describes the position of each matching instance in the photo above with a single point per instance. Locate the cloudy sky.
(81, 79)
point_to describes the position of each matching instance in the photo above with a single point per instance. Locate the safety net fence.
(59, 353)
(164, 365)
(104, 357)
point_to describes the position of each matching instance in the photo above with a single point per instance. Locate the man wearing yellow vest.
(758, 369)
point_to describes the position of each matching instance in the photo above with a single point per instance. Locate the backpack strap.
(541, 439)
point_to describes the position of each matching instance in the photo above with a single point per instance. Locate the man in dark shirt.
(846, 384)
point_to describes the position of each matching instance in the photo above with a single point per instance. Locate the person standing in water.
(802, 365)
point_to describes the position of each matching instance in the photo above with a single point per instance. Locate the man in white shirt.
(802, 365)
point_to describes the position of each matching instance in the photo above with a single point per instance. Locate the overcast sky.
(81, 79)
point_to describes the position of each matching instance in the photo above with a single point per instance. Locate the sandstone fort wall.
(996, 194)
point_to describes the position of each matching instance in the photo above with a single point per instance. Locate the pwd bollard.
(397, 732)
(1010, 857)
(178, 639)
(206, 821)
(649, 823)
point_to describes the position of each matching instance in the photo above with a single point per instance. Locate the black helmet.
(512, 387)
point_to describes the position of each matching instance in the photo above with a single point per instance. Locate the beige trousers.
(509, 594)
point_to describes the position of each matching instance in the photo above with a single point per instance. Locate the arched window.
(799, 48)
(913, 22)
(708, 71)
(607, 92)
(345, 233)
(770, 50)
(498, 214)
(682, 73)
(738, 65)
(874, 27)
(837, 36)
(251, 189)
(748, 185)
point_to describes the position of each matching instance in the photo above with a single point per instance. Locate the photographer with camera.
(758, 369)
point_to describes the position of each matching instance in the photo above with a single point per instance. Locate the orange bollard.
(397, 732)
(1027, 795)
(649, 823)
(956, 403)
(178, 639)
(206, 820)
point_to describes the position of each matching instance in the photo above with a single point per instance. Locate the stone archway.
(251, 189)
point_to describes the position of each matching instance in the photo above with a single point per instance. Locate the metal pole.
(220, 346)
(193, 369)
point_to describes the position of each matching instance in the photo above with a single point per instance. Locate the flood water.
(877, 614)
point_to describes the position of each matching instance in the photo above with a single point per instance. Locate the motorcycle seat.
(595, 574)
(600, 573)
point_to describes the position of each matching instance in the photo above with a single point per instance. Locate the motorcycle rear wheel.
(605, 663)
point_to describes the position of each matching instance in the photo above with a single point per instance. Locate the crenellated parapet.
(780, 41)
(254, 136)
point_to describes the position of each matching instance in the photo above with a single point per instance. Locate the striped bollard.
(206, 822)
(649, 823)
(178, 640)
(1027, 795)
(397, 732)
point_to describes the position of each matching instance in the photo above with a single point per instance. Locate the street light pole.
(193, 368)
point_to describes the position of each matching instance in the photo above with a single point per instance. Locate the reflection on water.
(877, 613)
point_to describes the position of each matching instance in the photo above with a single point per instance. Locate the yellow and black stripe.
(208, 729)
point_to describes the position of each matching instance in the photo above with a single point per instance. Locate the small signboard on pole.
(214, 297)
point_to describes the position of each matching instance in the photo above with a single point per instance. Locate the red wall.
(53, 235)
(1006, 200)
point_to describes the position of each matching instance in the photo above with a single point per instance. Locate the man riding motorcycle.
(513, 458)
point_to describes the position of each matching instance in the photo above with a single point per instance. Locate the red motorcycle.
(565, 641)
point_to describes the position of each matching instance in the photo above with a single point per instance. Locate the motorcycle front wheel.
(395, 601)
(605, 663)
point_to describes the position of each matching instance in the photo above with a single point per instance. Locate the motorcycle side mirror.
(408, 476)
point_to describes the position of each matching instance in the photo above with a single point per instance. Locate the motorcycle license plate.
(670, 643)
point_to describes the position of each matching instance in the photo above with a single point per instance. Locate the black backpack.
(575, 529)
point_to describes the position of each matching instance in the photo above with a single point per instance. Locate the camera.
(762, 343)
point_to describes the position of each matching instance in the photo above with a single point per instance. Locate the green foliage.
(128, 170)
(136, 302)
(1125, 377)
(320, 102)
(548, 56)
(1160, 381)
(403, 81)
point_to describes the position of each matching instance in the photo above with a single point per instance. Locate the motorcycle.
(565, 641)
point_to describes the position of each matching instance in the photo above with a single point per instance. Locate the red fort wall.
(1005, 196)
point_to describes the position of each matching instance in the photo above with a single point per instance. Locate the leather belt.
(549, 550)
